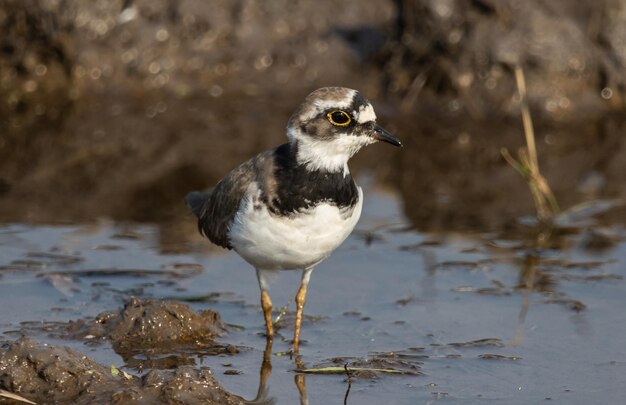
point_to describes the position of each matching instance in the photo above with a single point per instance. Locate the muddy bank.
(455, 54)
(148, 334)
(78, 78)
(460, 55)
(57, 54)
(55, 374)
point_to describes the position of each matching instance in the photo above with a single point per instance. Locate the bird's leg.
(300, 301)
(266, 304)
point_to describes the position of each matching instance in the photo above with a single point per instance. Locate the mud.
(148, 323)
(151, 334)
(49, 374)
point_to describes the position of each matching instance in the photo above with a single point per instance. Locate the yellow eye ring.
(339, 118)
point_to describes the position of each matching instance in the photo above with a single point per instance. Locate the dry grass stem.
(283, 311)
(527, 121)
(527, 163)
(15, 397)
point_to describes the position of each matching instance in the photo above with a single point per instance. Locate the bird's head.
(331, 125)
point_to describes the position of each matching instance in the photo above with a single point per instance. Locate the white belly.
(271, 242)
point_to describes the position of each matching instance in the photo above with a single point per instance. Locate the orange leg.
(300, 301)
(266, 304)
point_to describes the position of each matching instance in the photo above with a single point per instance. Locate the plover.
(288, 208)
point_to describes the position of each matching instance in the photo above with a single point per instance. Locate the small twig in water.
(349, 374)
(342, 370)
(283, 310)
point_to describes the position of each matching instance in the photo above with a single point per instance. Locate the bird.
(290, 207)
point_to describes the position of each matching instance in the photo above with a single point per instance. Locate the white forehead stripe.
(323, 105)
(344, 102)
(366, 114)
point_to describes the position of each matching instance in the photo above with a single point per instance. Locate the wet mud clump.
(144, 328)
(146, 322)
(54, 374)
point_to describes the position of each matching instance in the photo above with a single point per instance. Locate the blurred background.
(118, 108)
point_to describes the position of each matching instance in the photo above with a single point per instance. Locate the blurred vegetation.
(117, 108)
(573, 54)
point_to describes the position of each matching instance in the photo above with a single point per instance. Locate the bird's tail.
(195, 200)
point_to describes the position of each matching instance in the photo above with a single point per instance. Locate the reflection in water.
(527, 276)
(300, 381)
(265, 373)
(531, 279)
(535, 272)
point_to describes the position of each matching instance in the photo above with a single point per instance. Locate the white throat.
(327, 155)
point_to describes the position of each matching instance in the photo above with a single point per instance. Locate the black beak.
(381, 134)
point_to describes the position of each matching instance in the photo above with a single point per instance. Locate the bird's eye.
(339, 118)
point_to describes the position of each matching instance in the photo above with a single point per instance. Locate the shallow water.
(455, 307)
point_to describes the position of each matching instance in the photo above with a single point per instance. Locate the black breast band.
(298, 188)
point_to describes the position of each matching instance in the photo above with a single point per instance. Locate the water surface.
(478, 317)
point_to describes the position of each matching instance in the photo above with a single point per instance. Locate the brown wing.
(216, 209)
